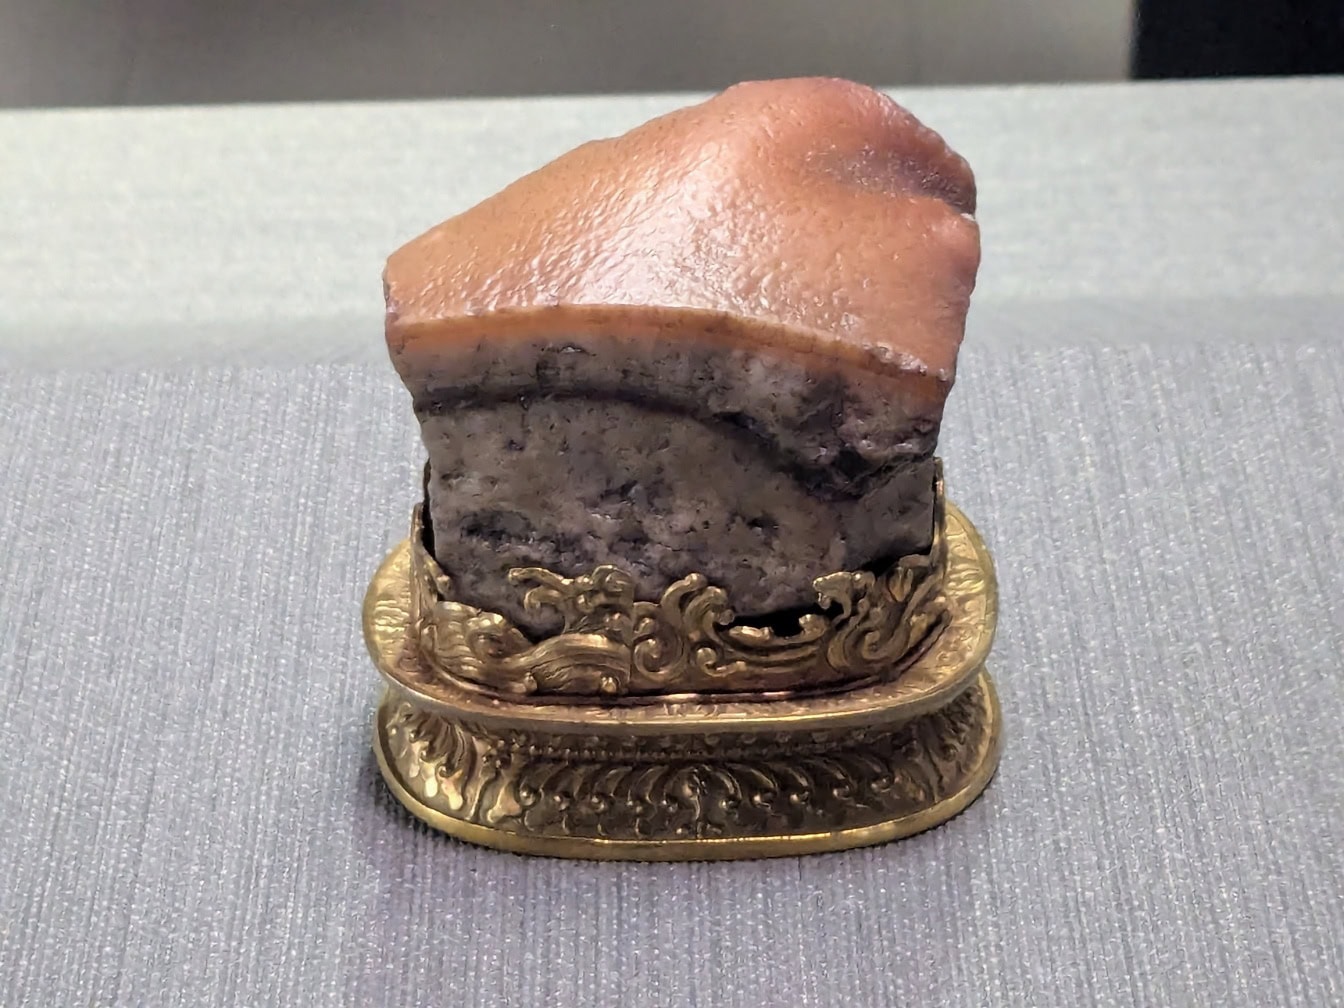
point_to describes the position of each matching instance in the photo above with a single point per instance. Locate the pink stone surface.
(720, 343)
(814, 214)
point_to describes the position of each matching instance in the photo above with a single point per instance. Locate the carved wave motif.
(867, 626)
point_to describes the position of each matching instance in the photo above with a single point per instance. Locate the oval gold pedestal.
(695, 778)
(690, 806)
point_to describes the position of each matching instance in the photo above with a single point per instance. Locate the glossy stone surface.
(719, 343)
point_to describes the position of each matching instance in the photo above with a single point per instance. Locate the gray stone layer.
(667, 459)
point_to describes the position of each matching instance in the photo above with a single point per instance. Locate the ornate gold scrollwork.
(866, 627)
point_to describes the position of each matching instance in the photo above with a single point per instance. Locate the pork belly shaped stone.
(720, 343)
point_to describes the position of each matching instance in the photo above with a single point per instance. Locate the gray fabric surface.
(192, 816)
(189, 812)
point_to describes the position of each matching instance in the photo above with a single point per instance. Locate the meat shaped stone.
(720, 343)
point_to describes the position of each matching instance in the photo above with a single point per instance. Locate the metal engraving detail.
(675, 788)
(685, 775)
(866, 627)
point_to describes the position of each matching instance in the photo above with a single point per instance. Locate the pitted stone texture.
(687, 458)
(570, 484)
(819, 214)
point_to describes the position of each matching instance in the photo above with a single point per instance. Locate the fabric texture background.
(190, 813)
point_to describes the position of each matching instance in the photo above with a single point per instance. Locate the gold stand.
(668, 776)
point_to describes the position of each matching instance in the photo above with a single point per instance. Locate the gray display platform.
(204, 456)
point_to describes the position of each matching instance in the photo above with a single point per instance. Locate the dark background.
(1214, 38)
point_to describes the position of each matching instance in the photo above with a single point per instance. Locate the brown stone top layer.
(810, 216)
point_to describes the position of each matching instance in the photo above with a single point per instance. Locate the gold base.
(925, 804)
(690, 777)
